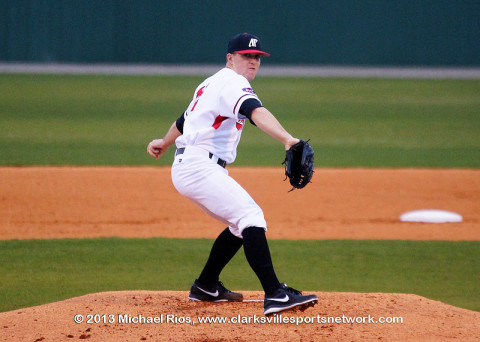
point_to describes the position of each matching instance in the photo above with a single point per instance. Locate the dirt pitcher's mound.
(168, 316)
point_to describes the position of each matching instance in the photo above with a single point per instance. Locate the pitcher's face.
(246, 65)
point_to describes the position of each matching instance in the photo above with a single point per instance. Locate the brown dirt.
(141, 202)
(423, 319)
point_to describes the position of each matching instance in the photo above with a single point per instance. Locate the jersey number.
(219, 119)
(199, 93)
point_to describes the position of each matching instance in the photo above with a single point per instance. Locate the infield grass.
(108, 120)
(34, 272)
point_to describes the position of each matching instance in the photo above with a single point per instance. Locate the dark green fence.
(340, 32)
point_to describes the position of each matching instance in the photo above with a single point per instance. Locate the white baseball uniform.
(211, 133)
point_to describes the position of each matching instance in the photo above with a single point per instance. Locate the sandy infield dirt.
(61, 202)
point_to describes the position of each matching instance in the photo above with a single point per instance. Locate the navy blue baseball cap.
(246, 43)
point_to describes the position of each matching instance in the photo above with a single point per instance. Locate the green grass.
(39, 271)
(108, 120)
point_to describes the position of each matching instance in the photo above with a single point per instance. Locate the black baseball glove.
(299, 164)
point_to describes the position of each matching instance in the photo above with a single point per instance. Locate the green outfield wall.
(336, 32)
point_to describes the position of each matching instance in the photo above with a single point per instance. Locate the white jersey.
(212, 121)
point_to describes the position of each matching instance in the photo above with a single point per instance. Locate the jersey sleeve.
(248, 106)
(180, 122)
(233, 95)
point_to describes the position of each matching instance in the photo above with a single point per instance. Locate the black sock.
(224, 248)
(258, 256)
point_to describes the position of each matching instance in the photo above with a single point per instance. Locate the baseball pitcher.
(206, 136)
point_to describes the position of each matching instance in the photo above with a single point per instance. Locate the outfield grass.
(108, 120)
(38, 271)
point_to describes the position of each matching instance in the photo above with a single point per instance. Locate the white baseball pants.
(198, 177)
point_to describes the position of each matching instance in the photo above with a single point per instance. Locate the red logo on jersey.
(199, 93)
(240, 124)
(218, 121)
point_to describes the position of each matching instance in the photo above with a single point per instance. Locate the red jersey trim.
(236, 104)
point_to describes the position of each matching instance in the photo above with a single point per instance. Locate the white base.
(431, 216)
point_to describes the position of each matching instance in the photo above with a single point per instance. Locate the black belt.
(220, 162)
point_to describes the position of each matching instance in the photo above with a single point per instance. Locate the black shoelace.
(291, 289)
(220, 284)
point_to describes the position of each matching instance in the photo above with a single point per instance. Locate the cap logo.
(253, 42)
(245, 43)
